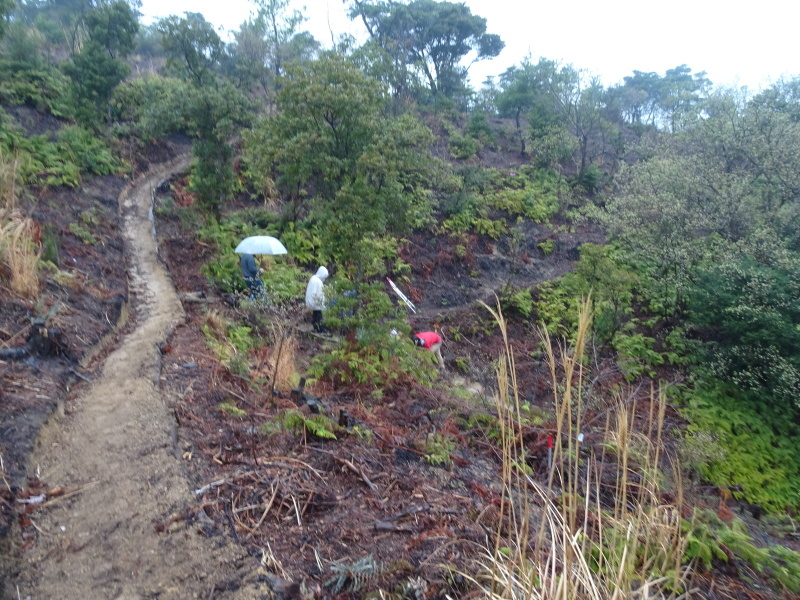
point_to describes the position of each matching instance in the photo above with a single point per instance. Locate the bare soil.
(146, 488)
(111, 471)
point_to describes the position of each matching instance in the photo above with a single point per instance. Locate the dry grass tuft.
(593, 543)
(286, 364)
(19, 252)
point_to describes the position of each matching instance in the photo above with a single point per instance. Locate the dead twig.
(353, 468)
(208, 486)
(69, 493)
(277, 460)
(406, 513)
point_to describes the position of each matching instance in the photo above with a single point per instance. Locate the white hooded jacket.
(315, 294)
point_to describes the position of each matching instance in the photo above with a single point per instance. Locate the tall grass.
(19, 253)
(596, 528)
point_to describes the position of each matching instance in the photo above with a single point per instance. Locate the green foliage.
(547, 246)
(517, 301)
(438, 449)
(292, 419)
(462, 146)
(429, 39)
(193, 47)
(34, 84)
(710, 539)
(528, 192)
(749, 317)
(87, 151)
(758, 450)
(98, 67)
(51, 242)
(534, 194)
(94, 74)
(636, 356)
(302, 243)
(333, 136)
(155, 106)
(230, 343)
(368, 355)
(82, 232)
(283, 281)
(44, 162)
(484, 422)
(611, 284)
(478, 128)
(233, 410)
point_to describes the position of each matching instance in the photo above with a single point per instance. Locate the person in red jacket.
(433, 342)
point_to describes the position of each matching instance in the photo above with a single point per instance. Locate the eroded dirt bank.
(129, 531)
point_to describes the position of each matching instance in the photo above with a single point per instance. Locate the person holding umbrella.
(252, 276)
(248, 247)
(315, 298)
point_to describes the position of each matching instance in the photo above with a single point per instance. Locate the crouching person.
(433, 342)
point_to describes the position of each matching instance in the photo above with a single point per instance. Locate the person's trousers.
(437, 352)
(316, 320)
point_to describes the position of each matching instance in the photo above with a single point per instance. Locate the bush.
(757, 445)
(369, 355)
(463, 147)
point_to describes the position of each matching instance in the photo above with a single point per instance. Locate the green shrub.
(478, 127)
(438, 449)
(547, 246)
(368, 354)
(517, 301)
(611, 285)
(636, 356)
(463, 147)
(710, 540)
(87, 151)
(758, 444)
(36, 85)
(749, 317)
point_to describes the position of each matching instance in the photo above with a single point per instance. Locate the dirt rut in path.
(118, 442)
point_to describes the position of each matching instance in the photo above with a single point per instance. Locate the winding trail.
(118, 442)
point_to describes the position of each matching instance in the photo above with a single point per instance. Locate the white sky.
(750, 44)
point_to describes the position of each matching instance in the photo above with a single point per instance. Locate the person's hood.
(322, 273)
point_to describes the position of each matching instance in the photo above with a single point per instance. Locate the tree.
(333, 141)
(430, 36)
(749, 316)
(650, 99)
(213, 108)
(267, 41)
(192, 46)
(6, 6)
(98, 67)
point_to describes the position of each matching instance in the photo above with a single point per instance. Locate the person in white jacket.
(315, 298)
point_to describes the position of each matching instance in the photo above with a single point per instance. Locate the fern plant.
(292, 419)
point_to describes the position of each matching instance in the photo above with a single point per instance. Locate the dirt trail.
(118, 442)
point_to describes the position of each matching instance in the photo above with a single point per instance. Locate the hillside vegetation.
(615, 272)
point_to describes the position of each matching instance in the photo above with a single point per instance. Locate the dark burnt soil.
(317, 510)
(83, 305)
(311, 508)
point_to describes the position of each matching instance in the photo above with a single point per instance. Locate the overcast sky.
(739, 44)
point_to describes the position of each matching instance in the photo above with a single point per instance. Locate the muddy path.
(131, 528)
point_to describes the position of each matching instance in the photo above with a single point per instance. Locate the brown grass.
(19, 252)
(584, 548)
(286, 364)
